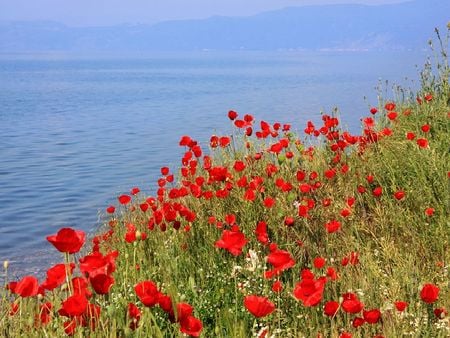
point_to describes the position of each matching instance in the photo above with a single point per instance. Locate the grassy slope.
(400, 248)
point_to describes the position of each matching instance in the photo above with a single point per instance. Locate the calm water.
(75, 133)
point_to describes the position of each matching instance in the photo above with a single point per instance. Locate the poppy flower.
(331, 308)
(45, 315)
(28, 286)
(56, 275)
(277, 286)
(425, 128)
(147, 293)
(429, 293)
(232, 241)
(319, 262)
(191, 326)
(110, 209)
(332, 226)
(281, 260)
(377, 191)
(68, 240)
(351, 304)
(373, 110)
(97, 263)
(258, 306)
(261, 232)
(232, 115)
(440, 313)
(372, 316)
(400, 305)
(102, 283)
(310, 291)
(399, 195)
(410, 136)
(357, 322)
(135, 191)
(124, 199)
(429, 211)
(73, 306)
(422, 142)
(389, 106)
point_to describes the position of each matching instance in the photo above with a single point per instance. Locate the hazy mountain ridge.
(398, 26)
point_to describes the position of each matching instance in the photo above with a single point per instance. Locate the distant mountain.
(352, 27)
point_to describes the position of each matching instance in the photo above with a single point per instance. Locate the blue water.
(76, 132)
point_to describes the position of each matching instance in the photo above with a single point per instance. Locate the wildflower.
(319, 262)
(232, 241)
(73, 306)
(399, 195)
(147, 293)
(332, 226)
(422, 142)
(28, 286)
(372, 316)
(124, 199)
(331, 308)
(310, 290)
(400, 305)
(429, 293)
(68, 240)
(258, 306)
(102, 283)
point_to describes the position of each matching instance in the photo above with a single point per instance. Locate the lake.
(75, 132)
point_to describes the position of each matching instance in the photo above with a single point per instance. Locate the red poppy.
(410, 136)
(310, 291)
(373, 110)
(429, 293)
(239, 166)
(377, 192)
(351, 303)
(332, 226)
(281, 260)
(102, 283)
(232, 241)
(357, 322)
(331, 308)
(74, 306)
(135, 191)
(110, 209)
(400, 305)
(191, 326)
(399, 194)
(68, 240)
(277, 286)
(44, 317)
(390, 106)
(28, 286)
(269, 202)
(124, 199)
(147, 292)
(319, 262)
(422, 142)
(429, 211)
(258, 306)
(96, 263)
(425, 128)
(392, 115)
(232, 115)
(440, 312)
(372, 316)
(56, 275)
(261, 233)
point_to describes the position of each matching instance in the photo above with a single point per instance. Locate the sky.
(111, 12)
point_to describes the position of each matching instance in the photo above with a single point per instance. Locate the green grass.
(399, 247)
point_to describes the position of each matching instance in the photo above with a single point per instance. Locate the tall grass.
(361, 220)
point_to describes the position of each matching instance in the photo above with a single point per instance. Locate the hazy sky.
(107, 12)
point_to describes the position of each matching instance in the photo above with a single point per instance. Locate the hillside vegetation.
(269, 234)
